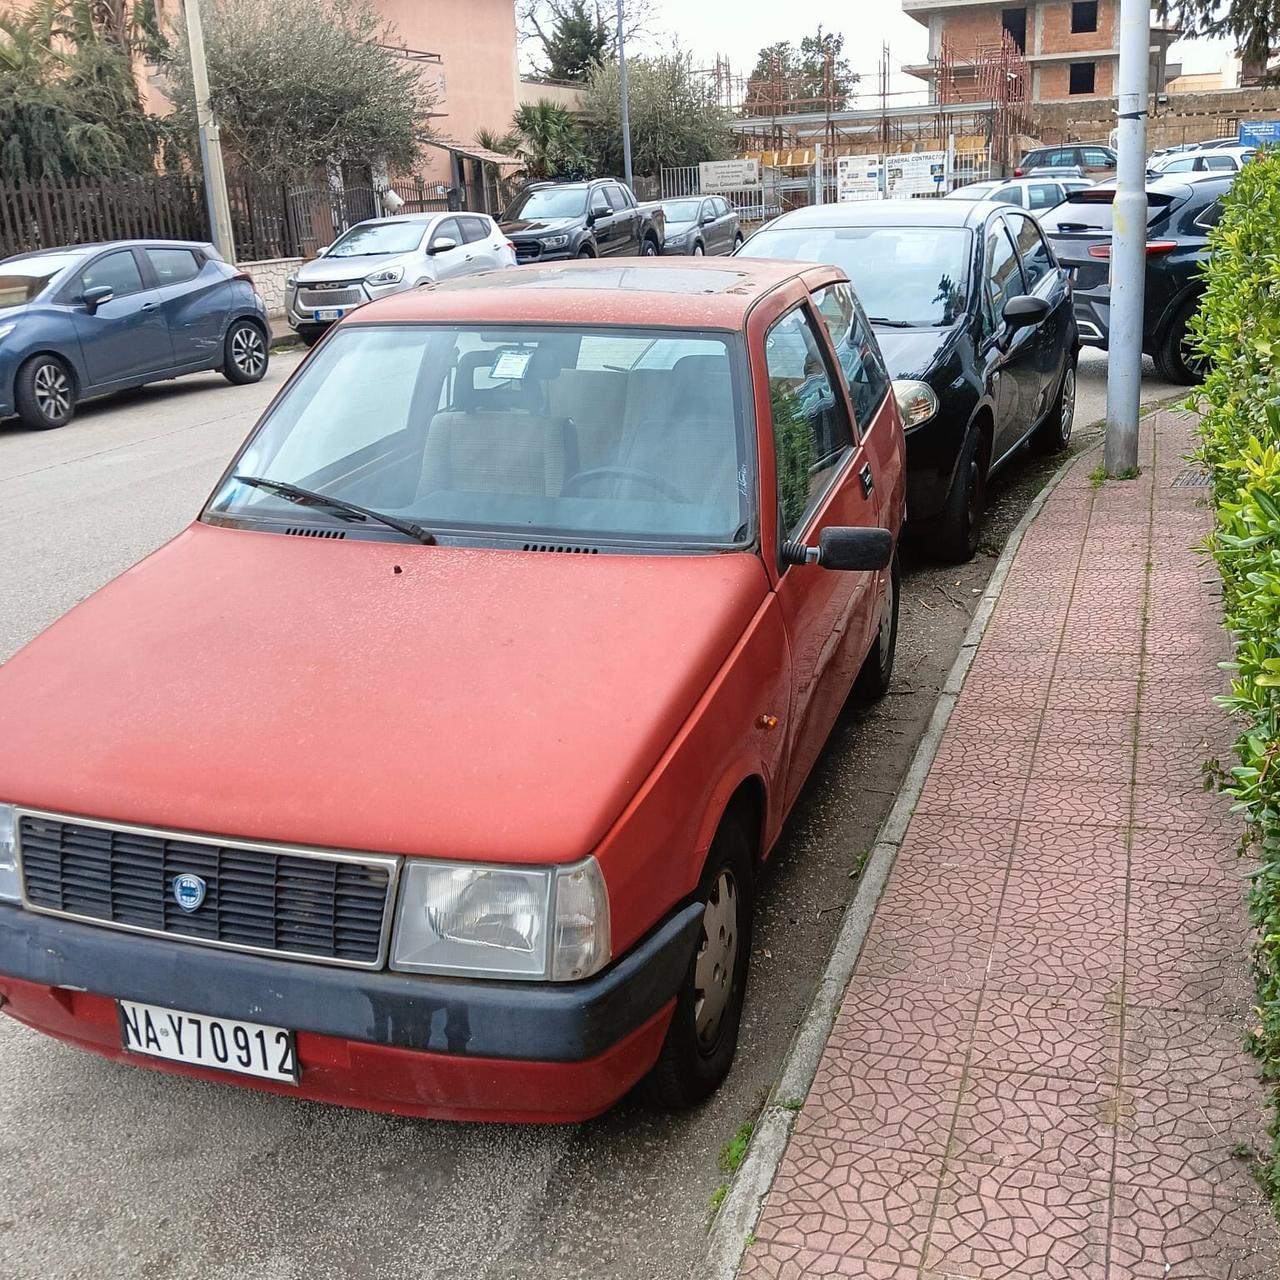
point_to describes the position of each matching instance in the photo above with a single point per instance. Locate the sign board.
(919, 173)
(858, 178)
(716, 176)
(1260, 133)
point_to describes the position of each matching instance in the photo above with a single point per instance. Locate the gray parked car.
(387, 255)
(701, 224)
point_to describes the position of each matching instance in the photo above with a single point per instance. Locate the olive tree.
(295, 84)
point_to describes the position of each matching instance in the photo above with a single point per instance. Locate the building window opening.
(1083, 75)
(1014, 21)
(1084, 16)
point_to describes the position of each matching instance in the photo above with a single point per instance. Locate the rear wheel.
(737, 242)
(1175, 360)
(703, 1035)
(310, 335)
(877, 668)
(1054, 433)
(244, 354)
(957, 538)
(45, 393)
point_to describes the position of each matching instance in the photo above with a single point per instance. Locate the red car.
(431, 769)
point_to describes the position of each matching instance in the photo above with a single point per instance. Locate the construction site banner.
(919, 173)
(858, 178)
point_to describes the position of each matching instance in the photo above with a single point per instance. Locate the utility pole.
(215, 176)
(626, 109)
(1128, 243)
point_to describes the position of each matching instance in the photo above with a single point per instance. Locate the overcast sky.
(739, 29)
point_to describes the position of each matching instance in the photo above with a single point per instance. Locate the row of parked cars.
(549, 585)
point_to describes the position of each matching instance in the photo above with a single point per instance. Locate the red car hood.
(500, 705)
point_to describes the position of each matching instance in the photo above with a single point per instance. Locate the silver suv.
(387, 255)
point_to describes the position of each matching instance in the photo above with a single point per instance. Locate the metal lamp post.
(626, 110)
(215, 176)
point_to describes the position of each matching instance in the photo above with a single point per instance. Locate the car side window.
(708, 211)
(447, 230)
(1012, 194)
(1209, 218)
(1064, 156)
(1037, 261)
(1180, 166)
(1002, 277)
(1096, 158)
(117, 271)
(722, 207)
(811, 430)
(617, 198)
(1219, 162)
(1044, 195)
(475, 229)
(173, 266)
(856, 348)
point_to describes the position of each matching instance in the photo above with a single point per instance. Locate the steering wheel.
(656, 483)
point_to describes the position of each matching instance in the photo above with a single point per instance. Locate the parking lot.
(106, 1170)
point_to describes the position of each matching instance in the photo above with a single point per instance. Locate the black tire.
(1173, 361)
(586, 252)
(694, 1060)
(648, 248)
(311, 335)
(699, 250)
(1053, 435)
(244, 353)
(737, 242)
(877, 668)
(957, 532)
(45, 393)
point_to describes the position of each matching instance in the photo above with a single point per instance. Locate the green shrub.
(1238, 327)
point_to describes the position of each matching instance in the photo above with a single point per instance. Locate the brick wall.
(1055, 80)
(1189, 117)
(1055, 28)
(970, 29)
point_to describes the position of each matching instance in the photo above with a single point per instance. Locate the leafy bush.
(1238, 327)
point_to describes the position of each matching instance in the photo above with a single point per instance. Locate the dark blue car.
(91, 319)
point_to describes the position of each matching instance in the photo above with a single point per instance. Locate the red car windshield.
(611, 434)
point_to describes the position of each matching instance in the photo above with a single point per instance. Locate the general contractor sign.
(919, 173)
(857, 178)
(715, 176)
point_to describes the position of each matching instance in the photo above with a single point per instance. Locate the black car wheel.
(1175, 359)
(957, 537)
(45, 393)
(1054, 433)
(244, 353)
(703, 1036)
(586, 252)
(698, 251)
(649, 249)
(877, 668)
(311, 335)
(737, 242)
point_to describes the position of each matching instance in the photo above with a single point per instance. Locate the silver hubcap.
(1068, 403)
(649, 250)
(698, 251)
(52, 391)
(717, 956)
(886, 621)
(248, 350)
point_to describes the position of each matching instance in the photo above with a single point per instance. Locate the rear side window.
(1044, 195)
(618, 198)
(1012, 194)
(1037, 261)
(811, 431)
(117, 271)
(474, 229)
(1219, 162)
(173, 266)
(856, 349)
(1097, 158)
(1209, 218)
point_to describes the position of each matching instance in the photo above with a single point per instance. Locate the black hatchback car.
(974, 317)
(1181, 211)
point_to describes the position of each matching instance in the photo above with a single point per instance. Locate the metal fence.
(753, 204)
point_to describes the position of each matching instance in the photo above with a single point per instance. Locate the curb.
(740, 1210)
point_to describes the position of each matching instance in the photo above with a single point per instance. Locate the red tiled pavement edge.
(1036, 1070)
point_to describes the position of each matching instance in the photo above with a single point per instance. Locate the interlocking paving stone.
(1037, 1072)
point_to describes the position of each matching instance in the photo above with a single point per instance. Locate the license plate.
(223, 1044)
(328, 313)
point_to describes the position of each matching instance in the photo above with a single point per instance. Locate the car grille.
(528, 250)
(347, 296)
(256, 898)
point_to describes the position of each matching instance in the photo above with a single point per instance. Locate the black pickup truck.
(549, 221)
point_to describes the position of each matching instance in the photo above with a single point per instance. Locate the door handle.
(148, 306)
(868, 480)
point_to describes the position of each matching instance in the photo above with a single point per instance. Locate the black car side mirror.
(95, 297)
(1025, 310)
(844, 548)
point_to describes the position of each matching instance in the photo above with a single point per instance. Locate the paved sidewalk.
(1036, 1071)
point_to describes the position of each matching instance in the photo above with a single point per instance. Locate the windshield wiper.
(309, 498)
(893, 324)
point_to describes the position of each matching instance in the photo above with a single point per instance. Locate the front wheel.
(877, 668)
(698, 251)
(649, 249)
(737, 242)
(45, 393)
(957, 538)
(244, 355)
(585, 252)
(1175, 358)
(703, 1035)
(1053, 435)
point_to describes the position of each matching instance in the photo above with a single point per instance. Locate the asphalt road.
(108, 1170)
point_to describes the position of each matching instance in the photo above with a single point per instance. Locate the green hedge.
(1238, 328)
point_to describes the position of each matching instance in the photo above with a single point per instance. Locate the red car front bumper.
(410, 1045)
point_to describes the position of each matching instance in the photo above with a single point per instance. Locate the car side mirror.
(441, 245)
(95, 297)
(844, 548)
(1025, 310)
(323, 249)
(599, 211)
(706, 220)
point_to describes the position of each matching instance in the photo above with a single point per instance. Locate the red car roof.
(693, 292)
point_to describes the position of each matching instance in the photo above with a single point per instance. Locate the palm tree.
(549, 141)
